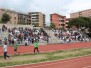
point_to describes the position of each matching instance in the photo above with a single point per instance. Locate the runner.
(36, 46)
(15, 49)
(5, 51)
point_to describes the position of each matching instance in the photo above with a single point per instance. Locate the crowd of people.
(69, 35)
(25, 36)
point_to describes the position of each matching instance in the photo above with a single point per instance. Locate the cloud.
(48, 7)
(78, 5)
(17, 5)
(62, 7)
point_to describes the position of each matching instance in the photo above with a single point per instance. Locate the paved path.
(48, 48)
(82, 62)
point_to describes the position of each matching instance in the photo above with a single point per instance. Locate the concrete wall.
(15, 25)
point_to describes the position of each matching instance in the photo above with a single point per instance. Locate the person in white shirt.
(5, 51)
(26, 42)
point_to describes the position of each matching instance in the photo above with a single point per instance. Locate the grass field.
(35, 58)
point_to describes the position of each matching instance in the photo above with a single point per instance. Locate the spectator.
(26, 42)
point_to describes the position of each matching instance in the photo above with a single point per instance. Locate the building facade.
(58, 20)
(16, 17)
(21, 18)
(37, 18)
(24, 18)
(84, 13)
(13, 15)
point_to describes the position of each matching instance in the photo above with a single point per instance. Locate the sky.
(62, 7)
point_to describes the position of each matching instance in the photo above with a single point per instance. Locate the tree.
(80, 22)
(88, 20)
(5, 18)
(52, 25)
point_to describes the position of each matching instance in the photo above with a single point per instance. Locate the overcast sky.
(62, 7)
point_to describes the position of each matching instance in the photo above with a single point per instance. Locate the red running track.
(82, 62)
(48, 48)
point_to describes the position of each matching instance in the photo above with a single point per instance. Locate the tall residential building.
(58, 20)
(37, 17)
(84, 13)
(16, 17)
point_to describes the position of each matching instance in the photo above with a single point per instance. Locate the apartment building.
(58, 20)
(84, 13)
(16, 17)
(21, 18)
(13, 15)
(37, 17)
(24, 18)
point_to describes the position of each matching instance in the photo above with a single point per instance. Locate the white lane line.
(53, 63)
(87, 67)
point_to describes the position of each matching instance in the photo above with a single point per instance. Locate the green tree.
(52, 25)
(79, 22)
(88, 20)
(5, 18)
